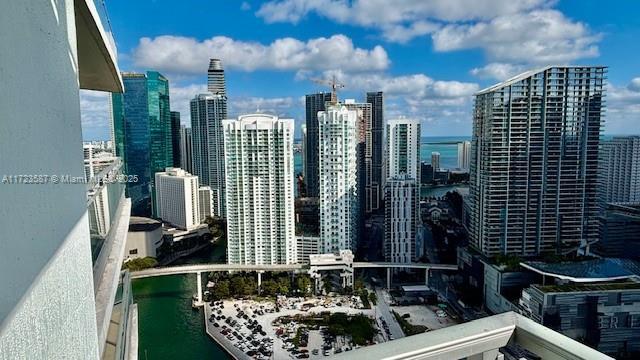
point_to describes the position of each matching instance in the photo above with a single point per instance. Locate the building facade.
(216, 83)
(314, 103)
(260, 194)
(205, 197)
(56, 302)
(464, 153)
(402, 216)
(177, 198)
(435, 161)
(374, 152)
(620, 231)
(207, 112)
(175, 138)
(403, 148)
(534, 162)
(339, 206)
(620, 169)
(142, 130)
(605, 316)
(186, 150)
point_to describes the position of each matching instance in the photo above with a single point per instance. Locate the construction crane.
(333, 83)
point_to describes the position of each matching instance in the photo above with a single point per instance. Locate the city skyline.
(418, 55)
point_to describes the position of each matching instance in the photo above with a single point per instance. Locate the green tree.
(373, 298)
(221, 289)
(358, 284)
(283, 286)
(250, 286)
(269, 288)
(140, 263)
(303, 284)
(237, 285)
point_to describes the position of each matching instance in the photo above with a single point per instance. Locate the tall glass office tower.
(175, 138)
(534, 162)
(313, 103)
(374, 152)
(142, 131)
(207, 112)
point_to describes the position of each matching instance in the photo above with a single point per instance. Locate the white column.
(199, 288)
(259, 280)
(426, 277)
(388, 278)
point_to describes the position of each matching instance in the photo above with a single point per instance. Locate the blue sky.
(429, 57)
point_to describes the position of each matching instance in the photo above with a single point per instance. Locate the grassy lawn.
(408, 328)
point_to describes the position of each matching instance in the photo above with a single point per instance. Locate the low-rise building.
(143, 239)
(306, 247)
(620, 231)
(177, 198)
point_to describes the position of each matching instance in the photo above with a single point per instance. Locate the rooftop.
(603, 269)
(627, 285)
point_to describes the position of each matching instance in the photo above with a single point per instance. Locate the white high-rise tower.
(402, 189)
(464, 153)
(259, 178)
(338, 178)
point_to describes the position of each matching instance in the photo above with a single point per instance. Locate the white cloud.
(541, 36)
(498, 71)
(185, 55)
(281, 106)
(405, 17)
(94, 111)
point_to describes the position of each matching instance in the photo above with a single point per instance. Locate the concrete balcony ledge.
(479, 339)
(97, 62)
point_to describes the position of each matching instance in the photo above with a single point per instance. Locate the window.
(133, 252)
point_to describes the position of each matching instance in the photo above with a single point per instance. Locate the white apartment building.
(96, 159)
(464, 153)
(177, 198)
(402, 212)
(259, 190)
(339, 205)
(205, 198)
(435, 161)
(403, 148)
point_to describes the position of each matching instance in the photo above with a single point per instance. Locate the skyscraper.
(435, 161)
(207, 112)
(534, 162)
(402, 190)
(303, 130)
(177, 198)
(175, 137)
(403, 148)
(215, 78)
(402, 212)
(259, 178)
(620, 169)
(464, 153)
(374, 152)
(363, 120)
(142, 129)
(186, 154)
(313, 104)
(338, 178)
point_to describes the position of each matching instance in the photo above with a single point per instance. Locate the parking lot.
(249, 328)
(427, 315)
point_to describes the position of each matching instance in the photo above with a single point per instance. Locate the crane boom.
(333, 84)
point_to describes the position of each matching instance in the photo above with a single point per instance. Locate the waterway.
(168, 328)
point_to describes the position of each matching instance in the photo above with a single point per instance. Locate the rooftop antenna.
(333, 83)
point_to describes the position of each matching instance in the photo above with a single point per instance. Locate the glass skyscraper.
(534, 162)
(175, 138)
(313, 104)
(143, 136)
